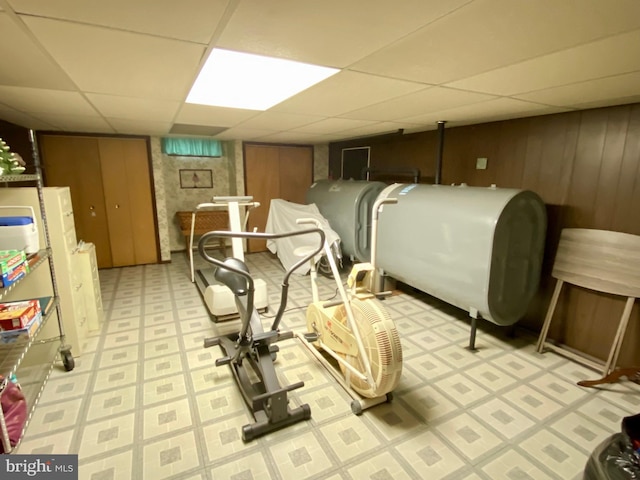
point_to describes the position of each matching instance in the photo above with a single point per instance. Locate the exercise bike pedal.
(311, 337)
(223, 361)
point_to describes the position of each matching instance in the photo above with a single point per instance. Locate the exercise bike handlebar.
(263, 236)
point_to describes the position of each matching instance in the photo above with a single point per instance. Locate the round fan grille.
(382, 344)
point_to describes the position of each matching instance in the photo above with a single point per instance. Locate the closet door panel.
(115, 183)
(74, 161)
(143, 226)
(262, 181)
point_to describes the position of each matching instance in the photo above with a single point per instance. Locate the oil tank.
(477, 248)
(347, 205)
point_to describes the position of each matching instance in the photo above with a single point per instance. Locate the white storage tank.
(477, 248)
(347, 205)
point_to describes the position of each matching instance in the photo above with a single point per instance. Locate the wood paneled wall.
(585, 166)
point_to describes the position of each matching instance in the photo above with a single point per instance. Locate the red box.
(22, 334)
(16, 315)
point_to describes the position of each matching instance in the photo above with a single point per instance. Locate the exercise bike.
(357, 332)
(251, 352)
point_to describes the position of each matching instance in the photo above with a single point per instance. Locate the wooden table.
(603, 261)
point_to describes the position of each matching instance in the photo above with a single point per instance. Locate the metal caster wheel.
(68, 361)
(356, 407)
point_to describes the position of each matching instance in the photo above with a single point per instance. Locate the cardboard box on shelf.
(16, 315)
(29, 331)
(10, 259)
(12, 276)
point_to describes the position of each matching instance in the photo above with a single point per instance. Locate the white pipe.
(377, 208)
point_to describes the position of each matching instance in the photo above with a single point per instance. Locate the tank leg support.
(472, 334)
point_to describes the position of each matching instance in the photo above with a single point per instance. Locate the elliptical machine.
(251, 351)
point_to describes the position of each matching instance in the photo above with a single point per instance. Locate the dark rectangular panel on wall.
(353, 161)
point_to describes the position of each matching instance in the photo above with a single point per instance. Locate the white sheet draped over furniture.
(282, 218)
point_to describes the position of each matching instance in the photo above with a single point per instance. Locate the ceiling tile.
(619, 88)
(27, 121)
(297, 138)
(611, 56)
(78, 123)
(197, 130)
(379, 128)
(126, 67)
(243, 133)
(332, 33)
(485, 111)
(193, 20)
(215, 116)
(120, 63)
(134, 108)
(427, 100)
(332, 125)
(35, 100)
(139, 127)
(488, 34)
(344, 92)
(279, 121)
(24, 62)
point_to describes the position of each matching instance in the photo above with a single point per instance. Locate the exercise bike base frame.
(358, 402)
(269, 407)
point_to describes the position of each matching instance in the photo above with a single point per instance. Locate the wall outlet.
(481, 163)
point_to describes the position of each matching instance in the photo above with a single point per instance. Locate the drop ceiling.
(126, 66)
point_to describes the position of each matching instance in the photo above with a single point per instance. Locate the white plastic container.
(19, 232)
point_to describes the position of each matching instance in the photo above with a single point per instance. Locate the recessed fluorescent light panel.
(253, 82)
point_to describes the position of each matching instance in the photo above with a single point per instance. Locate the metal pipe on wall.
(440, 151)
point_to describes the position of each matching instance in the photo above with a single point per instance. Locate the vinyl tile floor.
(146, 401)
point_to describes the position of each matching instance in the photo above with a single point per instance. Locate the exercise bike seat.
(235, 281)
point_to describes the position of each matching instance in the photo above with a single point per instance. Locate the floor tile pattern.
(146, 401)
